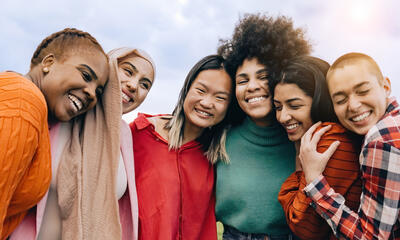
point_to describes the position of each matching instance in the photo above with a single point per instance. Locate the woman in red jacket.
(301, 99)
(174, 178)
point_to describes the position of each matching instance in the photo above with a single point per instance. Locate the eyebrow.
(133, 66)
(90, 70)
(148, 80)
(289, 100)
(264, 70)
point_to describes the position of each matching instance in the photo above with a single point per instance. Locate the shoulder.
(387, 131)
(143, 120)
(20, 97)
(337, 131)
(349, 142)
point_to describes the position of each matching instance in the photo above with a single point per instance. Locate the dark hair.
(211, 139)
(308, 73)
(272, 41)
(62, 42)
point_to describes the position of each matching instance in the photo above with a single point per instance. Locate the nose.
(283, 115)
(253, 85)
(354, 103)
(131, 85)
(207, 102)
(90, 93)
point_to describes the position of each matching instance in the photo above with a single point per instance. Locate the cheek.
(278, 115)
(186, 104)
(142, 95)
(222, 108)
(122, 77)
(239, 93)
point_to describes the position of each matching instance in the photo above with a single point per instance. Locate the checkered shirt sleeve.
(378, 214)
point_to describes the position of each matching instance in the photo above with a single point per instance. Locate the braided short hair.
(62, 42)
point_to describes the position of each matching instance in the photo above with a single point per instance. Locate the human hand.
(313, 162)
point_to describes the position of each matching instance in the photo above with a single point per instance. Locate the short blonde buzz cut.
(354, 58)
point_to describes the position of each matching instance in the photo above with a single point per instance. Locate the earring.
(45, 69)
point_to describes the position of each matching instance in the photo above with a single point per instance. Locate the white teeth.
(361, 117)
(125, 97)
(203, 113)
(76, 102)
(292, 126)
(256, 99)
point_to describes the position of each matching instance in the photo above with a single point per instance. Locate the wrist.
(310, 177)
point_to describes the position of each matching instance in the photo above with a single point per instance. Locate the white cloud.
(178, 33)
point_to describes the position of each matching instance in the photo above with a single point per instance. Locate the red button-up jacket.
(175, 188)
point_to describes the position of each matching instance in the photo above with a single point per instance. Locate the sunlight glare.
(361, 10)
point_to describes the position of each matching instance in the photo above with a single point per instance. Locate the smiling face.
(293, 110)
(72, 86)
(136, 75)
(252, 91)
(359, 96)
(207, 100)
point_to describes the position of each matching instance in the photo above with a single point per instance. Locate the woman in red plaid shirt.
(360, 96)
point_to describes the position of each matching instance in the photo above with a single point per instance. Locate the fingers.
(317, 136)
(332, 148)
(307, 136)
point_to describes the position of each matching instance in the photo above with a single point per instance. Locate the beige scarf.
(86, 176)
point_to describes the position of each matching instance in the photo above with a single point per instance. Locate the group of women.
(72, 169)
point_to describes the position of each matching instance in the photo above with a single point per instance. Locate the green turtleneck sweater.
(261, 158)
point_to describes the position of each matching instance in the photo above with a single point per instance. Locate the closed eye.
(363, 92)
(221, 98)
(86, 76)
(128, 72)
(295, 106)
(241, 81)
(145, 85)
(200, 90)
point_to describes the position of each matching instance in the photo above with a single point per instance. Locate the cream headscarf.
(118, 53)
(86, 176)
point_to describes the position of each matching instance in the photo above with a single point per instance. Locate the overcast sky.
(177, 33)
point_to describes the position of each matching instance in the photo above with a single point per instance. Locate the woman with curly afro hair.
(260, 154)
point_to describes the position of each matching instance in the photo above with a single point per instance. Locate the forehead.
(250, 65)
(217, 79)
(284, 91)
(94, 59)
(140, 63)
(349, 76)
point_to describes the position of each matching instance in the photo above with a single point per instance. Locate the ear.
(387, 86)
(48, 60)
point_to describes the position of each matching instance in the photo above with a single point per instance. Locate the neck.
(263, 122)
(191, 132)
(35, 75)
(298, 163)
(297, 146)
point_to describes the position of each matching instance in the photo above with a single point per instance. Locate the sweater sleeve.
(342, 172)
(301, 218)
(23, 140)
(18, 142)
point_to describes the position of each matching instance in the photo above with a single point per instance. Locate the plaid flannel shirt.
(378, 214)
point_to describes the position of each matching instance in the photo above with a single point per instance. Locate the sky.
(178, 33)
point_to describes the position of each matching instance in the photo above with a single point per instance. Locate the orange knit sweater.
(342, 174)
(25, 162)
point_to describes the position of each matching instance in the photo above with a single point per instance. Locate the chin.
(294, 139)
